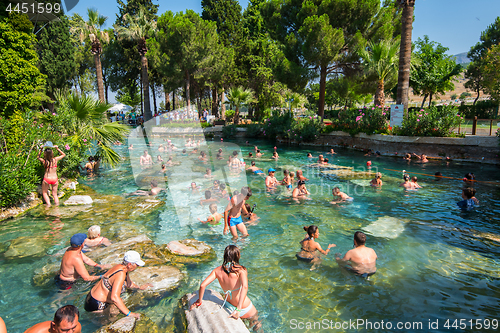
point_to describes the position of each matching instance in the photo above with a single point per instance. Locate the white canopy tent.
(119, 107)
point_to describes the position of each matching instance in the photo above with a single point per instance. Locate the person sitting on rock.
(95, 238)
(233, 278)
(72, 264)
(65, 321)
(112, 284)
(154, 189)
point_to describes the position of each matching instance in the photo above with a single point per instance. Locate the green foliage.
(434, 121)
(20, 78)
(277, 125)
(229, 114)
(454, 96)
(237, 97)
(227, 15)
(487, 109)
(57, 54)
(369, 120)
(229, 131)
(465, 94)
(254, 130)
(435, 71)
(129, 96)
(306, 129)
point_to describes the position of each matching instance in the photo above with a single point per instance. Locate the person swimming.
(215, 217)
(339, 196)
(377, 181)
(254, 169)
(309, 246)
(361, 260)
(469, 200)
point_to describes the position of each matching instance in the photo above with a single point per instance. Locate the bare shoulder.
(39, 328)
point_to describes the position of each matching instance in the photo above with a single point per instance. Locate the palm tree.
(382, 59)
(87, 122)
(239, 96)
(92, 29)
(405, 53)
(137, 29)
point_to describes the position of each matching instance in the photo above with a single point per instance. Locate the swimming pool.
(435, 262)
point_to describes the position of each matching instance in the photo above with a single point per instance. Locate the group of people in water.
(231, 275)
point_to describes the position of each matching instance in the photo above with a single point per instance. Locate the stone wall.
(473, 148)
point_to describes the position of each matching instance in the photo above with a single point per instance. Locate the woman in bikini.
(310, 246)
(113, 283)
(233, 278)
(50, 176)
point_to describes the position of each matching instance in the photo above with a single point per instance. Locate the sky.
(456, 24)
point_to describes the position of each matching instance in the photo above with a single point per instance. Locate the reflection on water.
(434, 261)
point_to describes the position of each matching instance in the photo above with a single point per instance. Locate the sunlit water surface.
(434, 261)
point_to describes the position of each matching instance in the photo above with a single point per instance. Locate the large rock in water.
(386, 227)
(188, 247)
(45, 274)
(26, 246)
(114, 253)
(163, 279)
(208, 318)
(130, 325)
(347, 174)
(79, 200)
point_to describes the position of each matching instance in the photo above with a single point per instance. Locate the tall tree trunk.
(477, 97)
(145, 89)
(237, 115)
(379, 95)
(173, 99)
(154, 97)
(142, 96)
(405, 54)
(167, 98)
(215, 109)
(430, 99)
(423, 102)
(222, 105)
(100, 85)
(188, 84)
(322, 87)
(106, 88)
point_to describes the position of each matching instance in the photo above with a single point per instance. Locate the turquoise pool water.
(435, 262)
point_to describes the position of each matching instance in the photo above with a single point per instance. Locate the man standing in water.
(361, 260)
(146, 159)
(72, 264)
(65, 321)
(232, 213)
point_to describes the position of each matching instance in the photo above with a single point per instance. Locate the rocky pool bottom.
(435, 262)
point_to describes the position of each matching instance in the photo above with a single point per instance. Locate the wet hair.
(96, 158)
(248, 208)
(154, 183)
(258, 150)
(184, 151)
(94, 231)
(68, 312)
(250, 154)
(235, 153)
(414, 178)
(360, 238)
(231, 259)
(291, 174)
(91, 158)
(220, 150)
(246, 191)
(335, 189)
(469, 176)
(163, 166)
(213, 208)
(208, 194)
(325, 160)
(378, 175)
(469, 192)
(253, 163)
(406, 177)
(217, 182)
(275, 153)
(311, 230)
(222, 186)
(48, 157)
(309, 155)
(236, 192)
(301, 182)
(170, 158)
(286, 172)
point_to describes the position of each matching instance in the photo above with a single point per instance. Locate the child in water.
(339, 196)
(252, 217)
(470, 201)
(215, 217)
(287, 181)
(377, 181)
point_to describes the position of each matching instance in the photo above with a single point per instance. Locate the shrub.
(369, 120)
(229, 131)
(277, 125)
(487, 109)
(254, 130)
(306, 129)
(434, 121)
(205, 125)
(229, 115)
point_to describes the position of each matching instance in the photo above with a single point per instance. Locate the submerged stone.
(46, 274)
(386, 227)
(188, 247)
(114, 253)
(210, 317)
(79, 200)
(347, 174)
(26, 246)
(130, 325)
